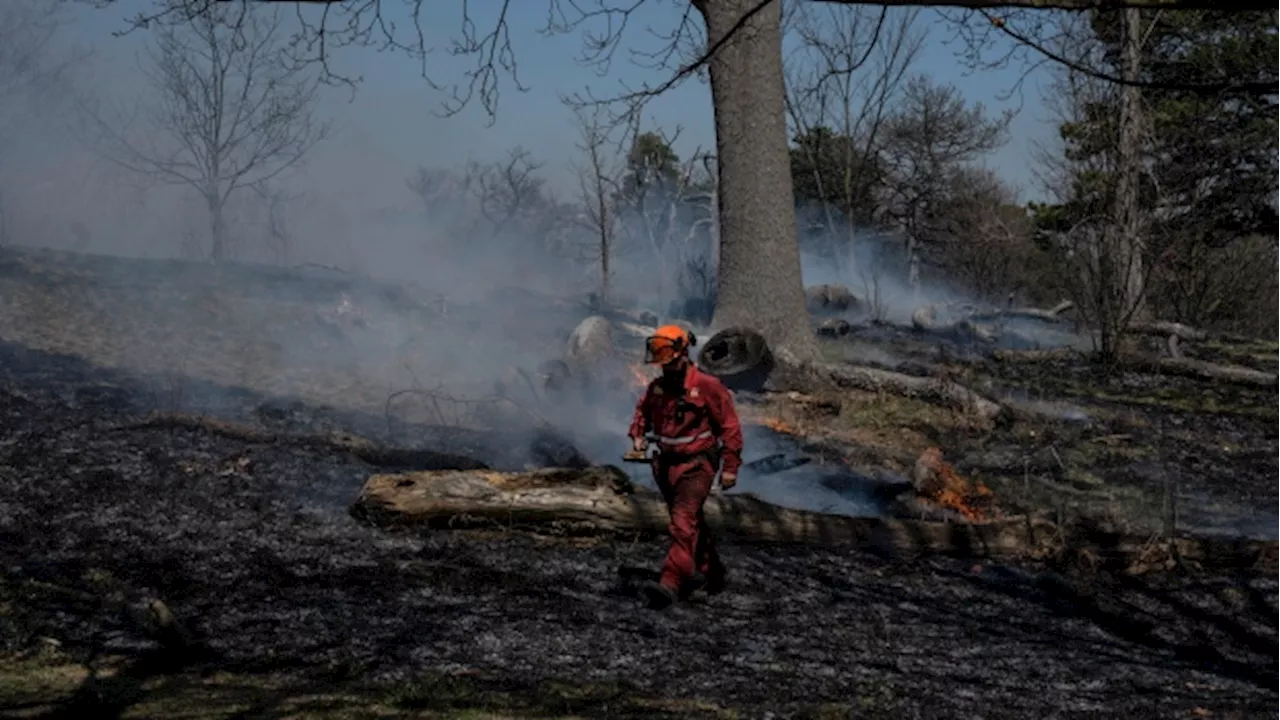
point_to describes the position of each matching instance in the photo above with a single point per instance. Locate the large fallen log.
(601, 500)
(932, 390)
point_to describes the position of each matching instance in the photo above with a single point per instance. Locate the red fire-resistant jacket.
(691, 424)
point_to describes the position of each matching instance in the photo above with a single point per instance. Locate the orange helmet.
(668, 343)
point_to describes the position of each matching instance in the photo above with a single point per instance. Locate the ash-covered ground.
(251, 544)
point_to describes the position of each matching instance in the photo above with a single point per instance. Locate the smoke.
(451, 279)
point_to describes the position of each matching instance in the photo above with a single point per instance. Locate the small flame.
(778, 426)
(939, 483)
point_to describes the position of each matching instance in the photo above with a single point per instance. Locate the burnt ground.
(1145, 450)
(300, 610)
(251, 547)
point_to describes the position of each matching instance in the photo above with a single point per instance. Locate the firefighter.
(690, 417)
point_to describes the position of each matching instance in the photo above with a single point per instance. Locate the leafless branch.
(1041, 38)
(598, 189)
(27, 62)
(226, 112)
(326, 26)
(843, 78)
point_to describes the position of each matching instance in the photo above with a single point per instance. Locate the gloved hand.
(728, 480)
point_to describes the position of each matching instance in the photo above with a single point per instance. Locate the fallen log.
(362, 448)
(936, 391)
(1049, 315)
(1165, 328)
(1200, 370)
(601, 500)
(1036, 356)
(932, 390)
(970, 325)
(1179, 366)
(741, 358)
(925, 319)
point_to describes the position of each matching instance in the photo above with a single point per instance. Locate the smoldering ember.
(237, 520)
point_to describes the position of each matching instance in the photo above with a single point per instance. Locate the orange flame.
(939, 483)
(778, 426)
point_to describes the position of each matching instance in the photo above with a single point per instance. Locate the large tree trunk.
(602, 500)
(759, 274)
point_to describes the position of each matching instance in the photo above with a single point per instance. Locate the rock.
(590, 341)
(829, 299)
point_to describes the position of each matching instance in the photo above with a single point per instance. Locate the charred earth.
(283, 604)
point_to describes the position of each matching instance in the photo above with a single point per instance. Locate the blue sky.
(391, 116)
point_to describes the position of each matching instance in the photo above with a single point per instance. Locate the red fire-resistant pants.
(685, 483)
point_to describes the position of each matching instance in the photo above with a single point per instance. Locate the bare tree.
(1108, 186)
(230, 110)
(759, 275)
(274, 201)
(845, 76)
(508, 189)
(443, 193)
(28, 62)
(31, 68)
(933, 135)
(481, 207)
(598, 188)
(983, 237)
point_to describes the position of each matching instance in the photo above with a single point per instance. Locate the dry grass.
(887, 430)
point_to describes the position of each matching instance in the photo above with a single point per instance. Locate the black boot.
(660, 597)
(716, 582)
(701, 586)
